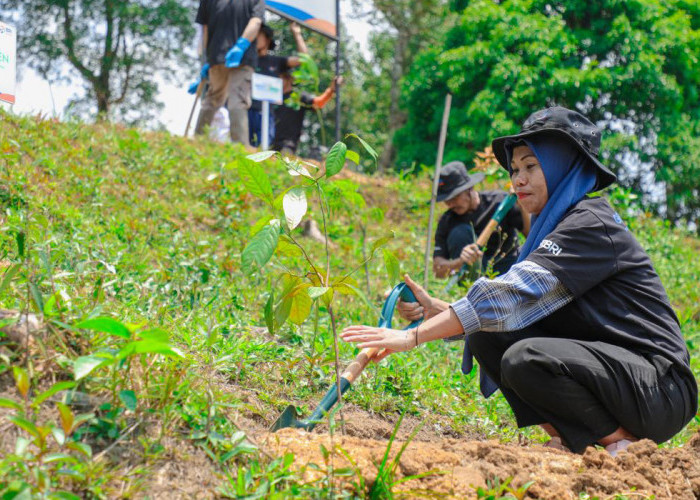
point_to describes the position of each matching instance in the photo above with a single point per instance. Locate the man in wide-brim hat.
(469, 211)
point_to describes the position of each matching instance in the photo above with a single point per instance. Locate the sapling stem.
(337, 367)
(330, 307)
(363, 230)
(306, 256)
(321, 198)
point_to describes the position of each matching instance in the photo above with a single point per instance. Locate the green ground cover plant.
(155, 337)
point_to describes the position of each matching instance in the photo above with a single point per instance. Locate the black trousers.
(585, 390)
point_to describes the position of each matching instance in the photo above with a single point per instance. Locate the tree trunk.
(103, 96)
(396, 116)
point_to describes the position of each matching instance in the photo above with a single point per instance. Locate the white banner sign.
(319, 15)
(8, 62)
(267, 88)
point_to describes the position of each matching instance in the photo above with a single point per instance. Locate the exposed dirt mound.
(644, 469)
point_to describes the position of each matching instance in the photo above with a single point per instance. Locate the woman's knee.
(520, 360)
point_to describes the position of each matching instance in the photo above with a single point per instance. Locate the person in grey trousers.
(229, 28)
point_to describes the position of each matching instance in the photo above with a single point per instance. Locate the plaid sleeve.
(524, 295)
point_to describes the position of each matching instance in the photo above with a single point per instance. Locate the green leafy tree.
(631, 66)
(116, 47)
(405, 27)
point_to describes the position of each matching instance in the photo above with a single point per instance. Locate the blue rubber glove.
(192, 89)
(203, 75)
(235, 54)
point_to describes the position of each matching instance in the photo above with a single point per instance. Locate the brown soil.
(640, 472)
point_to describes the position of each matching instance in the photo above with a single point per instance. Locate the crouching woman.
(579, 334)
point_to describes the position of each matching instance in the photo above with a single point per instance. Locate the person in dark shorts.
(579, 335)
(289, 122)
(229, 29)
(469, 211)
(271, 65)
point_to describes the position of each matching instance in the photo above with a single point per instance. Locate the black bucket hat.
(454, 179)
(270, 34)
(560, 123)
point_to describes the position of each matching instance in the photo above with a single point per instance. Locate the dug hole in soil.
(462, 465)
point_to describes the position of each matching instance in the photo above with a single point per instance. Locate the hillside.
(150, 371)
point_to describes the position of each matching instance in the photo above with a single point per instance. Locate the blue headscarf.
(569, 176)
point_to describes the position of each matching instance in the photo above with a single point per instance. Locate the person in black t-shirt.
(229, 29)
(469, 211)
(271, 65)
(579, 335)
(289, 122)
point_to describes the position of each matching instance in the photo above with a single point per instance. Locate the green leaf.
(255, 180)
(296, 169)
(316, 291)
(268, 312)
(148, 347)
(289, 282)
(287, 248)
(50, 306)
(381, 242)
(80, 448)
(36, 296)
(21, 446)
(63, 495)
(301, 304)
(25, 425)
(261, 247)
(105, 325)
(255, 228)
(58, 435)
(59, 457)
(295, 206)
(282, 310)
(81, 419)
(393, 268)
(8, 403)
(128, 397)
(353, 156)
(324, 292)
(84, 365)
(347, 288)
(335, 160)
(261, 156)
(67, 418)
(367, 147)
(9, 276)
(156, 335)
(57, 387)
(20, 238)
(21, 380)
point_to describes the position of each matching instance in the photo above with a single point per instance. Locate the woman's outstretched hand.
(425, 308)
(387, 340)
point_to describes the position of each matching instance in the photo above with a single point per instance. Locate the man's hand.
(235, 54)
(337, 82)
(204, 74)
(295, 29)
(470, 254)
(192, 89)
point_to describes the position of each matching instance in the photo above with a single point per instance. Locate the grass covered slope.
(101, 222)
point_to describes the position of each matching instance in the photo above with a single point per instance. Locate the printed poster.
(8, 62)
(318, 15)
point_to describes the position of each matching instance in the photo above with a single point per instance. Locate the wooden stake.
(200, 88)
(436, 180)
